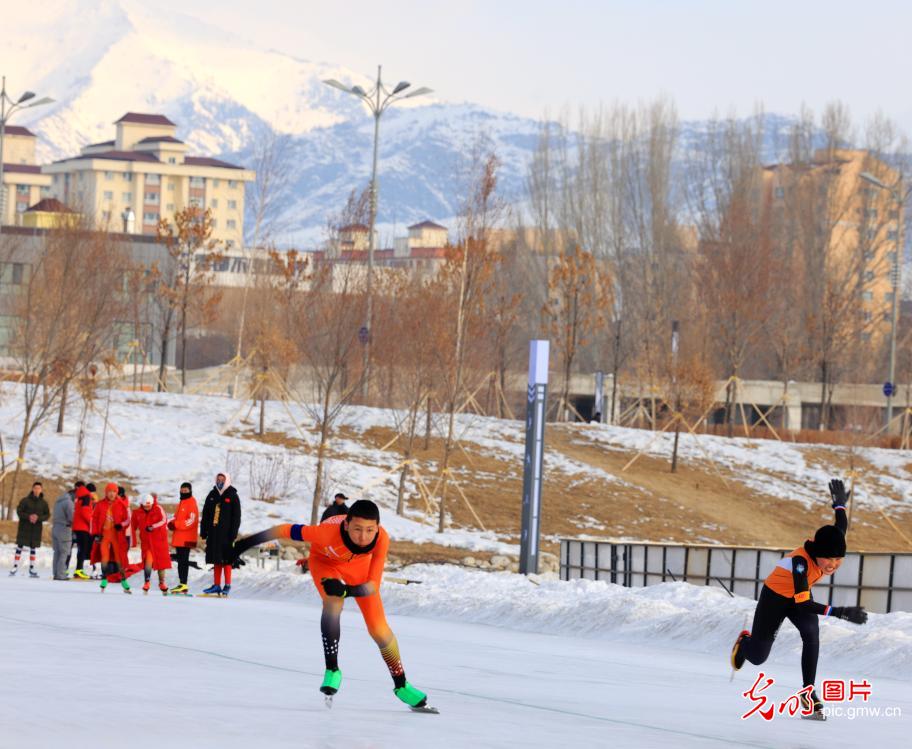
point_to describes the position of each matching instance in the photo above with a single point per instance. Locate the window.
(870, 213)
(888, 296)
(150, 218)
(868, 255)
(869, 275)
(213, 203)
(151, 197)
(196, 202)
(871, 233)
(867, 315)
(231, 223)
(216, 182)
(109, 195)
(866, 337)
(109, 175)
(232, 205)
(214, 224)
(22, 189)
(18, 273)
(172, 160)
(232, 183)
(153, 179)
(128, 177)
(887, 315)
(197, 182)
(779, 192)
(127, 197)
(170, 207)
(868, 296)
(171, 186)
(892, 235)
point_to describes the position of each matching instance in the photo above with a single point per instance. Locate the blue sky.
(535, 56)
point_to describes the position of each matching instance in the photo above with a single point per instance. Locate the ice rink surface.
(85, 669)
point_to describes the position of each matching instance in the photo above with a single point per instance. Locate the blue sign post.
(534, 457)
(889, 389)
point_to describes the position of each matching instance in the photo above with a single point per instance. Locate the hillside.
(726, 491)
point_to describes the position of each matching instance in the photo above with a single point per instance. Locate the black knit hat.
(828, 542)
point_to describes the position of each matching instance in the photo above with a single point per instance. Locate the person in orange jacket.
(786, 594)
(185, 525)
(149, 524)
(110, 521)
(82, 529)
(347, 556)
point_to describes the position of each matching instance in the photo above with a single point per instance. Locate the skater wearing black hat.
(786, 594)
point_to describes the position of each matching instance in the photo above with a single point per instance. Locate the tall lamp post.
(378, 100)
(898, 198)
(7, 108)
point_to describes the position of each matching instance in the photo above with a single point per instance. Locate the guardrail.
(879, 581)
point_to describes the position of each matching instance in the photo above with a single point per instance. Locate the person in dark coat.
(338, 507)
(33, 510)
(219, 528)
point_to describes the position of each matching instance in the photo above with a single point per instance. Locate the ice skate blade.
(425, 709)
(814, 716)
(328, 701)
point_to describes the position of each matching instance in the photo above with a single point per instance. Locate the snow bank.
(677, 615)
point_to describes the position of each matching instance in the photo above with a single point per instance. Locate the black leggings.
(771, 610)
(83, 547)
(182, 556)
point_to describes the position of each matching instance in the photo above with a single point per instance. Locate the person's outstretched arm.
(840, 499)
(290, 531)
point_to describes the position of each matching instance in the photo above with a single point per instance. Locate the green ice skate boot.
(410, 695)
(332, 680)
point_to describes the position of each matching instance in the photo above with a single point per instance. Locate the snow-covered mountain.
(101, 58)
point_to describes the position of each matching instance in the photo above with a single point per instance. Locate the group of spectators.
(102, 528)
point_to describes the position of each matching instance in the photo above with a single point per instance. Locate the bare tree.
(54, 339)
(185, 279)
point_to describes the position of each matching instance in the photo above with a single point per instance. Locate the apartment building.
(23, 180)
(829, 200)
(145, 174)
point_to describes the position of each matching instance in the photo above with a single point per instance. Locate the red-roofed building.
(145, 174)
(23, 181)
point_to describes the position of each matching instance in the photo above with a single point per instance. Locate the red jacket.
(154, 542)
(185, 524)
(82, 511)
(121, 515)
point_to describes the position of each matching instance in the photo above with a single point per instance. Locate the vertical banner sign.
(534, 457)
(597, 413)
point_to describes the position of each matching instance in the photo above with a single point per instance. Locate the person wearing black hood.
(786, 594)
(338, 507)
(220, 525)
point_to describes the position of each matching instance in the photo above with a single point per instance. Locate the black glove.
(334, 587)
(838, 493)
(854, 614)
(149, 529)
(118, 527)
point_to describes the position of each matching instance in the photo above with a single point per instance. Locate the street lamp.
(899, 199)
(378, 100)
(7, 107)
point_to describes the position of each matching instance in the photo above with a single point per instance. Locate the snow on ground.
(159, 440)
(780, 469)
(508, 662)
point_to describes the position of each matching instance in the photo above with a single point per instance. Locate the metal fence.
(881, 582)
